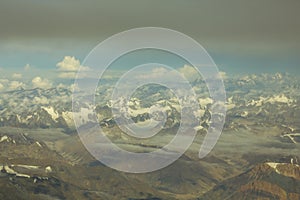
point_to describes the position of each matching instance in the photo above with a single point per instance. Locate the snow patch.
(280, 99)
(198, 128)
(48, 169)
(39, 144)
(274, 166)
(4, 138)
(27, 166)
(51, 112)
(205, 101)
(68, 117)
(274, 99)
(13, 172)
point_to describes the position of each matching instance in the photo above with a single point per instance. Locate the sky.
(241, 36)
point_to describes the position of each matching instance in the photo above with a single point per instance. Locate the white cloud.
(15, 85)
(223, 75)
(41, 83)
(72, 75)
(17, 76)
(61, 85)
(189, 72)
(67, 75)
(1, 86)
(70, 64)
(27, 67)
(158, 72)
(185, 72)
(41, 100)
(74, 87)
(4, 80)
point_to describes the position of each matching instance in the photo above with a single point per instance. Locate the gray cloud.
(256, 32)
(266, 20)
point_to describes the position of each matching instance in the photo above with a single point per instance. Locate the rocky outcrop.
(270, 180)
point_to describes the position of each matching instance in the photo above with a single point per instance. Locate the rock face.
(269, 180)
(29, 169)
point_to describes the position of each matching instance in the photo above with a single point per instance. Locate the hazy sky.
(239, 35)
